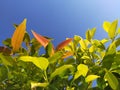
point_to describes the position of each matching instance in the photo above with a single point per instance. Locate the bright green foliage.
(81, 70)
(90, 78)
(61, 71)
(73, 65)
(40, 62)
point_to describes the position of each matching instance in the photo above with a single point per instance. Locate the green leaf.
(40, 62)
(77, 39)
(26, 39)
(90, 34)
(118, 31)
(81, 70)
(61, 70)
(112, 80)
(38, 84)
(3, 73)
(106, 26)
(7, 60)
(98, 44)
(49, 49)
(108, 59)
(7, 42)
(117, 42)
(111, 49)
(112, 29)
(90, 78)
(55, 57)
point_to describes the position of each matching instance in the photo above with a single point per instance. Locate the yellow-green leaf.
(83, 44)
(90, 78)
(106, 26)
(112, 80)
(18, 36)
(38, 84)
(61, 70)
(40, 62)
(92, 32)
(81, 70)
(92, 49)
(88, 35)
(112, 29)
(103, 41)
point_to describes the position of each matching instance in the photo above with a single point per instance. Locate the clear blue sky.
(57, 18)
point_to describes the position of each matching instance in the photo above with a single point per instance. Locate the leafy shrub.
(73, 65)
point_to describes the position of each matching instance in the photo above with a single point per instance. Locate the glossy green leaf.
(40, 62)
(60, 71)
(112, 80)
(38, 84)
(90, 78)
(106, 26)
(112, 29)
(81, 70)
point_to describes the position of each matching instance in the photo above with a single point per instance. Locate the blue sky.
(57, 18)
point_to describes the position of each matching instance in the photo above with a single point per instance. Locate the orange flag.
(63, 44)
(42, 40)
(18, 36)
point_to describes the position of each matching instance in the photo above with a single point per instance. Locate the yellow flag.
(18, 36)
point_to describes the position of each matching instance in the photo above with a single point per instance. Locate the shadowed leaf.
(61, 70)
(5, 50)
(112, 80)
